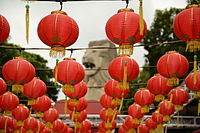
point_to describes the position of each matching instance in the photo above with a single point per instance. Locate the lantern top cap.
(143, 88)
(171, 52)
(192, 5)
(58, 12)
(20, 58)
(125, 9)
(157, 74)
(69, 59)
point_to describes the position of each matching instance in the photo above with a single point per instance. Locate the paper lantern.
(4, 29)
(109, 125)
(58, 31)
(50, 116)
(5, 122)
(151, 124)
(135, 111)
(143, 129)
(77, 105)
(18, 72)
(78, 116)
(158, 86)
(58, 125)
(123, 69)
(144, 98)
(85, 127)
(3, 86)
(34, 89)
(131, 123)
(109, 102)
(186, 27)
(108, 114)
(173, 66)
(123, 29)
(31, 124)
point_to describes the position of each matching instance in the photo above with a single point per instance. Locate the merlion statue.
(95, 60)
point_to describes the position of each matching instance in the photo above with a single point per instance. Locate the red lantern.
(157, 117)
(43, 103)
(31, 124)
(80, 90)
(3, 86)
(20, 113)
(178, 96)
(109, 125)
(5, 122)
(109, 102)
(131, 122)
(34, 89)
(123, 29)
(135, 111)
(151, 124)
(158, 86)
(58, 125)
(4, 29)
(77, 105)
(18, 72)
(68, 72)
(85, 127)
(46, 130)
(101, 129)
(14, 125)
(166, 108)
(41, 126)
(107, 114)
(143, 129)
(8, 101)
(193, 86)
(58, 31)
(65, 129)
(144, 98)
(122, 130)
(172, 65)
(186, 27)
(112, 90)
(50, 116)
(123, 69)
(78, 116)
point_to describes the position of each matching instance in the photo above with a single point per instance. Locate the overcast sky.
(91, 17)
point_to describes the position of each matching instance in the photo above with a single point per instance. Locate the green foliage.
(45, 74)
(193, 1)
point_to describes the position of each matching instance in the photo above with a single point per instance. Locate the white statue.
(95, 60)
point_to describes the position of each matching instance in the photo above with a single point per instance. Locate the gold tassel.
(160, 128)
(120, 85)
(73, 114)
(195, 69)
(173, 81)
(125, 49)
(68, 88)
(74, 102)
(17, 88)
(125, 75)
(108, 125)
(49, 125)
(15, 131)
(7, 112)
(27, 23)
(178, 107)
(193, 45)
(57, 51)
(6, 123)
(152, 131)
(20, 123)
(166, 128)
(132, 130)
(38, 126)
(121, 104)
(145, 109)
(40, 114)
(197, 94)
(29, 131)
(166, 118)
(2, 131)
(65, 107)
(170, 101)
(56, 73)
(135, 121)
(32, 101)
(109, 112)
(113, 118)
(199, 107)
(159, 98)
(141, 18)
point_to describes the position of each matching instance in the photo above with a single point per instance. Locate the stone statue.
(94, 61)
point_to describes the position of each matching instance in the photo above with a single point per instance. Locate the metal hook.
(71, 52)
(61, 5)
(127, 2)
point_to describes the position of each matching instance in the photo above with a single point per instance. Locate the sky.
(91, 17)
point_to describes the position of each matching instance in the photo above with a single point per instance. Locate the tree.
(45, 74)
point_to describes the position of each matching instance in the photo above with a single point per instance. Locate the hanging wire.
(127, 2)
(71, 53)
(61, 5)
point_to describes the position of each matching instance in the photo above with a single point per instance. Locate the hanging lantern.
(143, 129)
(144, 98)
(123, 29)
(112, 90)
(131, 123)
(172, 65)
(65, 129)
(31, 125)
(68, 73)
(80, 90)
(34, 89)
(108, 114)
(78, 116)
(3, 86)
(18, 72)
(178, 97)
(185, 27)
(4, 29)
(109, 125)
(41, 126)
(128, 129)
(123, 69)
(46, 130)
(101, 129)
(58, 31)
(20, 113)
(8, 101)
(77, 105)
(85, 127)
(43, 103)
(159, 119)
(109, 102)
(50, 116)
(151, 124)
(158, 86)
(14, 126)
(135, 111)
(166, 108)
(58, 125)
(122, 130)
(5, 121)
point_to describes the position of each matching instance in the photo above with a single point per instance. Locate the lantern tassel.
(20, 123)
(49, 125)
(17, 88)
(125, 49)
(173, 81)
(159, 98)
(152, 131)
(135, 121)
(56, 73)
(57, 51)
(199, 107)
(193, 45)
(32, 101)
(27, 23)
(132, 130)
(125, 84)
(68, 88)
(65, 107)
(145, 109)
(195, 69)
(73, 114)
(141, 18)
